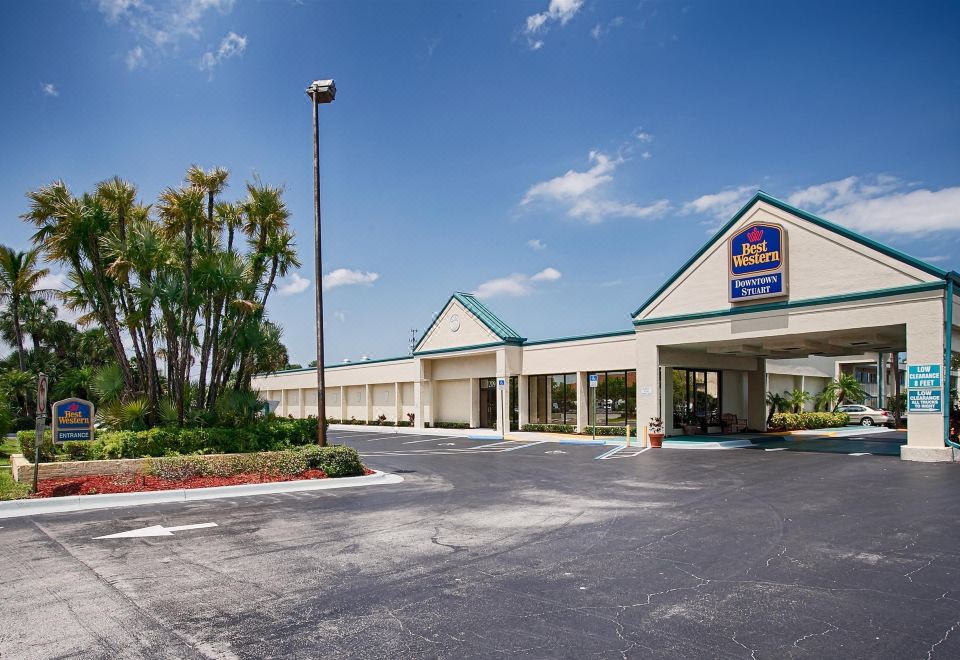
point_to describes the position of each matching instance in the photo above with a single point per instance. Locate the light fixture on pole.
(319, 91)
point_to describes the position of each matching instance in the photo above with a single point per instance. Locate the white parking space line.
(776, 449)
(434, 438)
(531, 444)
(862, 453)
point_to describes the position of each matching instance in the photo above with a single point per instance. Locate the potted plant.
(656, 432)
(691, 424)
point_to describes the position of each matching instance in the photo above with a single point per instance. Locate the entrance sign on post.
(594, 380)
(72, 420)
(502, 383)
(921, 401)
(923, 376)
(757, 260)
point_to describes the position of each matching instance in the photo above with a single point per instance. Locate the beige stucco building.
(772, 302)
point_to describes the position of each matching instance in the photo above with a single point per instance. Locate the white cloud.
(646, 155)
(536, 244)
(580, 193)
(516, 285)
(158, 26)
(558, 11)
(340, 316)
(913, 212)
(599, 29)
(295, 284)
(345, 277)
(643, 136)
(56, 281)
(883, 204)
(135, 58)
(49, 89)
(722, 204)
(595, 211)
(573, 184)
(873, 204)
(547, 275)
(231, 45)
(935, 258)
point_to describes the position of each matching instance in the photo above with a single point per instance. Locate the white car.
(866, 416)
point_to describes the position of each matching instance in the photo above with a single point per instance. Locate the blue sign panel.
(72, 420)
(921, 401)
(757, 258)
(754, 287)
(923, 376)
(756, 249)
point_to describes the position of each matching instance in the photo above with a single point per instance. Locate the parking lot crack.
(910, 575)
(941, 640)
(753, 652)
(435, 539)
(832, 628)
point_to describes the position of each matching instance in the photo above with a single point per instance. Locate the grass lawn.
(10, 489)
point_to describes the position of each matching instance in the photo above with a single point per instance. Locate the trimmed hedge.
(808, 420)
(612, 430)
(268, 435)
(406, 423)
(451, 425)
(549, 428)
(335, 461)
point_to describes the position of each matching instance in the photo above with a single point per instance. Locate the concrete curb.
(18, 508)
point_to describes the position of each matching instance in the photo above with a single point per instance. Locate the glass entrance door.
(696, 398)
(488, 403)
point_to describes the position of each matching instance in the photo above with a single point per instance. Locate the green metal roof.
(483, 314)
(817, 220)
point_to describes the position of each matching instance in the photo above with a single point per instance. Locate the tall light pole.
(319, 91)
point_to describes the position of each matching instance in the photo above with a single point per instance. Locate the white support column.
(474, 403)
(522, 402)
(925, 430)
(421, 393)
(343, 403)
(666, 377)
(584, 395)
(367, 402)
(301, 413)
(397, 402)
(648, 377)
(757, 396)
(503, 396)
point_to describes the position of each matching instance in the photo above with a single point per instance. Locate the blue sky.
(559, 158)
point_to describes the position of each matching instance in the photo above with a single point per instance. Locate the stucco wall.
(452, 399)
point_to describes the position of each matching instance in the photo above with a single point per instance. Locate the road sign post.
(42, 388)
(594, 381)
(502, 386)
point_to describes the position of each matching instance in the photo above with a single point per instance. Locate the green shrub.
(451, 425)
(335, 460)
(808, 420)
(405, 423)
(267, 435)
(611, 430)
(549, 428)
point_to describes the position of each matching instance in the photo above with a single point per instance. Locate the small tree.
(797, 399)
(844, 389)
(775, 403)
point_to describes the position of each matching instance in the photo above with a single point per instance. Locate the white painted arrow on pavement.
(154, 530)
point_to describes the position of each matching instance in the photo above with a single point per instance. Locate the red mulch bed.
(136, 483)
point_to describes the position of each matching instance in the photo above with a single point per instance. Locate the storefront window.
(615, 398)
(552, 399)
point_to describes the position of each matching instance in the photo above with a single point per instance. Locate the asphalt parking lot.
(492, 549)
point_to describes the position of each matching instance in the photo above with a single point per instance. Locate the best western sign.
(72, 420)
(757, 257)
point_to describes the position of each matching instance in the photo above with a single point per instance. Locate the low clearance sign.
(72, 420)
(757, 260)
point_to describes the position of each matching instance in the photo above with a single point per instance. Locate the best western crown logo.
(756, 250)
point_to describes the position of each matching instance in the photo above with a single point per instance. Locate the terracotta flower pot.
(656, 439)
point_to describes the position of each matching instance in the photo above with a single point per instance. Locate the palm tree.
(182, 209)
(797, 399)
(19, 280)
(844, 389)
(776, 404)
